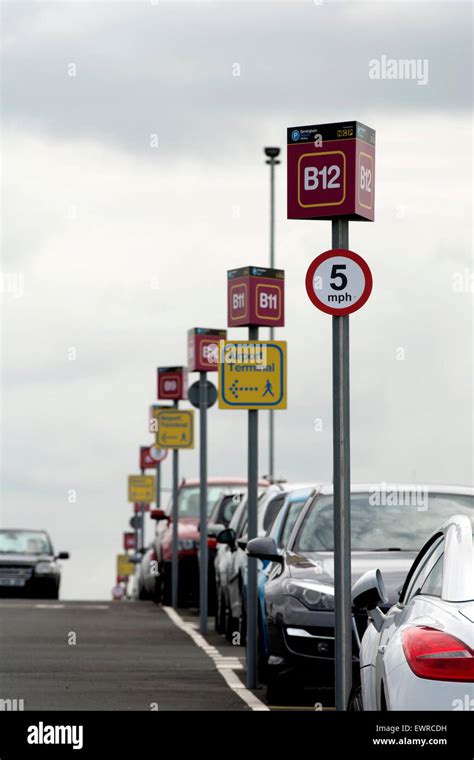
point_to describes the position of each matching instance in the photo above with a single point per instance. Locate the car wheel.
(243, 627)
(156, 593)
(355, 700)
(231, 625)
(211, 593)
(166, 585)
(219, 624)
(279, 692)
(261, 654)
(51, 594)
(143, 594)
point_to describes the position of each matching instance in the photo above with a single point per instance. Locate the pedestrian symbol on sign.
(268, 389)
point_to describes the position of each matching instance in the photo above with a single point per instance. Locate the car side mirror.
(63, 555)
(264, 548)
(367, 593)
(213, 529)
(226, 536)
(158, 514)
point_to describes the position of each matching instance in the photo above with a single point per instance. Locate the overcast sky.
(118, 247)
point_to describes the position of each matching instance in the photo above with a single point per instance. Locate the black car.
(299, 593)
(28, 564)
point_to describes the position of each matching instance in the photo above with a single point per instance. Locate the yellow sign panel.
(141, 488)
(124, 566)
(175, 429)
(252, 374)
(153, 421)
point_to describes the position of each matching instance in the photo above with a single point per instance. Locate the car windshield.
(380, 523)
(24, 542)
(188, 502)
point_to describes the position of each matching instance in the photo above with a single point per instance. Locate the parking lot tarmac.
(104, 656)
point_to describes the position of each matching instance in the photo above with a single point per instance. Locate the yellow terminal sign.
(124, 566)
(252, 374)
(175, 428)
(141, 488)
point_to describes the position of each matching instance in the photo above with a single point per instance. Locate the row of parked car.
(413, 586)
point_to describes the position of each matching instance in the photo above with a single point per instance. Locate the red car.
(188, 540)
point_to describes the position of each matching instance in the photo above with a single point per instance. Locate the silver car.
(420, 655)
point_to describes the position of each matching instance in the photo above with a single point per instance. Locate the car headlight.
(185, 544)
(46, 568)
(315, 596)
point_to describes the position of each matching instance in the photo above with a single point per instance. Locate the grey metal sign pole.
(252, 485)
(137, 531)
(174, 553)
(203, 548)
(142, 522)
(158, 485)
(140, 538)
(272, 154)
(342, 490)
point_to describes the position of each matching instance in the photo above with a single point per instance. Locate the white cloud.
(95, 225)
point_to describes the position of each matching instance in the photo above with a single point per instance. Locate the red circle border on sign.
(329, 255)
(162, 457)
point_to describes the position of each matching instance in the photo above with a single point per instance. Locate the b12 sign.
(331, 171)
(338, 282)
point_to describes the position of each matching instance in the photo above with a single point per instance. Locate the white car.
(420, 655)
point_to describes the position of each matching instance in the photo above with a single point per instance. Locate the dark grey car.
(28, 564)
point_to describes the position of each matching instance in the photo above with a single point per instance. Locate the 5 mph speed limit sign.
(338, 282)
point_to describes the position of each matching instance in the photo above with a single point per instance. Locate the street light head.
(272, 152)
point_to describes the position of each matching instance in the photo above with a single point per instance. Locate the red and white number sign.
(338, 282)
(172, 383)
(129, 541)
(331, 171)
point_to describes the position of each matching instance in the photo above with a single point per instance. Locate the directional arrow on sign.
(235, 390)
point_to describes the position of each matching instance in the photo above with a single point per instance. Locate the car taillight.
(153, 557)
(437, 655)
(211, 543)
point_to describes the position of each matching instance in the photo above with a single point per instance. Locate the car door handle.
(382, 648)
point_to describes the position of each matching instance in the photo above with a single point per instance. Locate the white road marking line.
(49, 606)
(71, 606)
(26, 605)
(93, 607)
(224, 665)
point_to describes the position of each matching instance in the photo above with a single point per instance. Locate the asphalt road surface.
(104, 656)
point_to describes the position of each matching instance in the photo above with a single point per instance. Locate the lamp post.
(272, 155)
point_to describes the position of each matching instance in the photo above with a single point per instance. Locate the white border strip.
(224, 665)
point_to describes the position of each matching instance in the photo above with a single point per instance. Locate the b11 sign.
(331, 171)
(255, 297)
